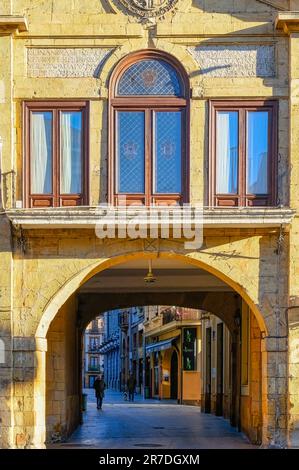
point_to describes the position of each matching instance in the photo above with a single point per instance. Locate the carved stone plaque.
(149, 8)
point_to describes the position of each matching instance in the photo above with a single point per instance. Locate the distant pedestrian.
(99, 386)
(131, 384)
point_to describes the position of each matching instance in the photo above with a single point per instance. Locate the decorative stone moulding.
(288, 21)
(88, 217)
(65, 62)
(235, 60)
(12, 23)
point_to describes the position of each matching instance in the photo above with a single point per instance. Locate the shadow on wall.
(273, 299)
(2, 352)
(261, 6)
(211, 6)
(221, 304)
(18, 370)
(5, 390)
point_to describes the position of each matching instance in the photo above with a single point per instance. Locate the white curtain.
(41, 153)
(70, 152)
(257, 152)
(226, 156)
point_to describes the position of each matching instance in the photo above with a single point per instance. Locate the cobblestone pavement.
(151, 424)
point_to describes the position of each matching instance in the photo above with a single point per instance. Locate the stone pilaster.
(29, 373)
(289, 23)
(274, 387)
(6, 386)
(6, 118)
(293, 321)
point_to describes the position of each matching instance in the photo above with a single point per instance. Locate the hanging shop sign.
(189, 348)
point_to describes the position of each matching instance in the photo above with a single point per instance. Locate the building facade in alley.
(173, 354)
(93, 363)
(149, 157)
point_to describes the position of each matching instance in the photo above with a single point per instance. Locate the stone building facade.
(110, 348)
(132, 346)
(93, 361)
(173, 365)
(66, 75)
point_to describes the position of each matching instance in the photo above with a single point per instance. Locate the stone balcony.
(92, 217)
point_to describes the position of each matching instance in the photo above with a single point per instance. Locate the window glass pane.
(150, 77)
(130, 150)
(168, 151)
(257, 152)
(227, 142)
(70, 152)
(41, 152)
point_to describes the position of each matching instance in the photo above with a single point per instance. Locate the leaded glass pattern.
(130, 149)
(150, 77)
(168, 152)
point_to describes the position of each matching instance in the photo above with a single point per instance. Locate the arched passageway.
(177, 283)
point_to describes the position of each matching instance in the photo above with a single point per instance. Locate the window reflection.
(71, 152)
(227, 152)
(257, 152)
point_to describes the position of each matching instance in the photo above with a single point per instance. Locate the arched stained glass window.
(150, 77)
(149, 115)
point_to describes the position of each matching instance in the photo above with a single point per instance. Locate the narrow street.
(151, 424)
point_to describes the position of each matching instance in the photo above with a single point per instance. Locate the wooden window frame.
(148, 105)
(55, 199)
(242, 198)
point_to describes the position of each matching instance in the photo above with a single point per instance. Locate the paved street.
(151, 424)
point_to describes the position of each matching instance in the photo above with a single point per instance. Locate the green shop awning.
(161, 345)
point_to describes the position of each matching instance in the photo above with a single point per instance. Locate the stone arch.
(78, 279)
(176, 51)
(56, 310)
(156, 54)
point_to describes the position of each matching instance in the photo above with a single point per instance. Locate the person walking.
(131, 384)
(99, 386)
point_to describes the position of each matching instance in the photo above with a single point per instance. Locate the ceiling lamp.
(149, 278)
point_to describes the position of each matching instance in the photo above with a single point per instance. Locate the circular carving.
(148, 8)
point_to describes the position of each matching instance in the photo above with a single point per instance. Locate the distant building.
(110, 348)
(173, 354)
(217, 366)
(93, 359)
(132, 346)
